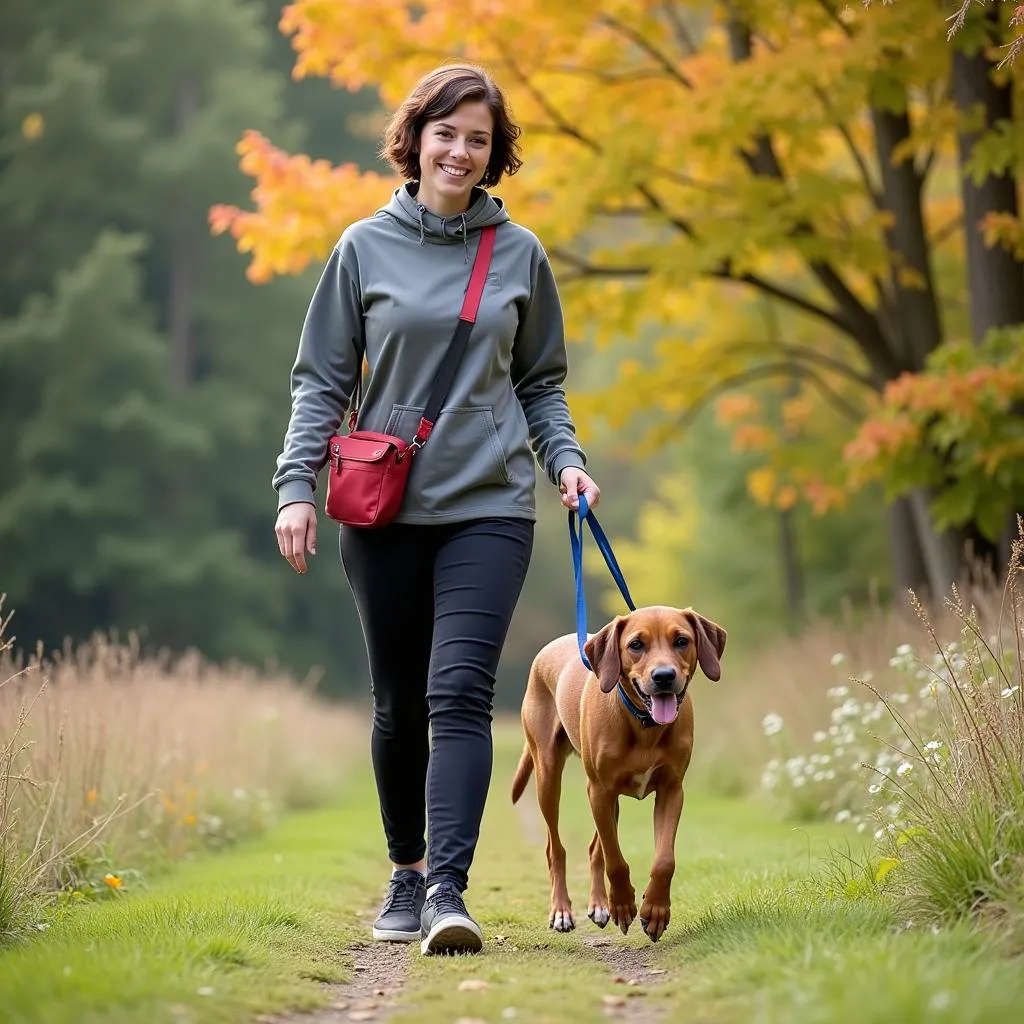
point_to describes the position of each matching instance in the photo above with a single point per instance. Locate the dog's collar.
(642, 715)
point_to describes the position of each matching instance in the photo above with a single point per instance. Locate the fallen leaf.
(380, 991)
(474, 985)
(657, 970)
(618, 980)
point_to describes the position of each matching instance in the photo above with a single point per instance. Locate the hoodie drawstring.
(463, 229)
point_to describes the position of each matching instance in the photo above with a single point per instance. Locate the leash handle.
(576, 545)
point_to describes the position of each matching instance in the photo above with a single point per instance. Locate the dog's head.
(658, 650)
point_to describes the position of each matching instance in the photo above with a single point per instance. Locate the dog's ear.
(602, 651)
(710, 644)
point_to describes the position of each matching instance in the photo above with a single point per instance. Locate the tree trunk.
(995, 278)
(792, 571)
(910, 572)
(181, 289)
(917, 326)
(943, 553)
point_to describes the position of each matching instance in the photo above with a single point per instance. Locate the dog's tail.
(523, 773)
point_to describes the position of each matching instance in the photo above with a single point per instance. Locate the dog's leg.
(655, 910)
(597, 911)
(604, 806)
(549, 763)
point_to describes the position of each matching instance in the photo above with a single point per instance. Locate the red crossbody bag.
(369, 470)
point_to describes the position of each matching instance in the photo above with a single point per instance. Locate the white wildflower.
(838, 658)
(905, 767)
(771, 723)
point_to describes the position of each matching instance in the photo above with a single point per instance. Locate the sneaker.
(399, 918)
(445, 923)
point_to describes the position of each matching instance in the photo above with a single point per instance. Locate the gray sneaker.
(445, 924)
(399, 917)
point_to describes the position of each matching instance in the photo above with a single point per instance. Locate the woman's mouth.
(454, 172)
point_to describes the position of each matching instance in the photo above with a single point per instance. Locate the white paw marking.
(599, 915)
(562, 921)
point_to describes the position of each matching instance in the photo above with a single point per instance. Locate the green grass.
(253, 930)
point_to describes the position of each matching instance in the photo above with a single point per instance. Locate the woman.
(436, 589)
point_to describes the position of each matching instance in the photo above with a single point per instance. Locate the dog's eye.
(636, 644)
(682, 642)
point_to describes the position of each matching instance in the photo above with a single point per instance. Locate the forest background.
(787, 238)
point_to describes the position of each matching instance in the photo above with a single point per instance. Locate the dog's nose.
(664, 676)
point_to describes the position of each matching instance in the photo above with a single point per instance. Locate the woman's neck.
(440, 206)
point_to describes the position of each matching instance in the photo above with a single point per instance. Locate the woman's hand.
(572, 482)
(296, 533)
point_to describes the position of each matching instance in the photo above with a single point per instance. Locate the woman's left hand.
(572, 482)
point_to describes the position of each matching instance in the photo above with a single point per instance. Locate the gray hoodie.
(394, 283)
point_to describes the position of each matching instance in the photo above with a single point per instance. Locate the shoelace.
(401, 895)
(448, 899)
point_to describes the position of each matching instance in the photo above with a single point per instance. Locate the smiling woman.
(444, 575)
(452, 133)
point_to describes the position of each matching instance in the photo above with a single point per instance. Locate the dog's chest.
(638, 784)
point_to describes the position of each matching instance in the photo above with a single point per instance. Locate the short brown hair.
(436, 95)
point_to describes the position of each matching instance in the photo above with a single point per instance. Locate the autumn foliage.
(759, 197)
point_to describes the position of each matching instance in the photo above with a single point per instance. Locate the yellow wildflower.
(32, 126)
(114, 881)
(90, 797)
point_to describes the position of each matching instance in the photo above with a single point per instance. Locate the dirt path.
(378, 975)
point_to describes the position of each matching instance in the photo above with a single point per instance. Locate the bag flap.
(366, 448)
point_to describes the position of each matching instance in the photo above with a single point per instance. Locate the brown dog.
(649, 657)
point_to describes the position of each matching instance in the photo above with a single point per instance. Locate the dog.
(630, 721)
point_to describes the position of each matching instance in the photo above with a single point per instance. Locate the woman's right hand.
(296, 533)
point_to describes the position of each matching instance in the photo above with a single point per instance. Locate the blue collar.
(642, 715)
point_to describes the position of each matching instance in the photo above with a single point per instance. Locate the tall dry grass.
(111, 761)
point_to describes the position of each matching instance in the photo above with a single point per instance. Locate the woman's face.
(454, 151)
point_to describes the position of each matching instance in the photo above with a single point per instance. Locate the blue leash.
(576, 543)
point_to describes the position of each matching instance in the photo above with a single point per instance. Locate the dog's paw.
(561, 921)
(599, 914)
(654, 920)
(623, 912)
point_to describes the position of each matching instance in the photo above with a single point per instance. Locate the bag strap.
(449, 364)
(576, 543)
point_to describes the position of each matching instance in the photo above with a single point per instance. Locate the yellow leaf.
(33, 126)
(761, 485)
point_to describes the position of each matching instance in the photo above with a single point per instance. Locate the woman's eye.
(635, 644)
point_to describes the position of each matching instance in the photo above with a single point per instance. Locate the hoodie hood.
(484, 209)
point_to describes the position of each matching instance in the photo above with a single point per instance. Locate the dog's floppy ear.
(602, 651)
(710, 644)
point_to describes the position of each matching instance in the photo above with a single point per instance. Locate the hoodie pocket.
(463, 450)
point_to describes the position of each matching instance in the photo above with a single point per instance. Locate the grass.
(112, 763)
(755, 935)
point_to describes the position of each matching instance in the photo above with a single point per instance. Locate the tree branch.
(638, 39)
(808, 355)
(947, 230)
(686, 41)
(584, 268)
(541, 100)
(768, 370)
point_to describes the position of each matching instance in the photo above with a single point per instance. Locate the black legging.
(435, 604)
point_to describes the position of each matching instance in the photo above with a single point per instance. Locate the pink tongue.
(664, 708)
